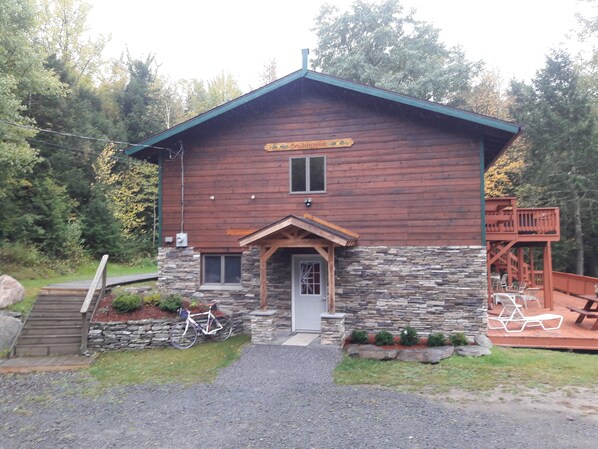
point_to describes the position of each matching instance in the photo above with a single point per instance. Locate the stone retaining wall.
(128, 335)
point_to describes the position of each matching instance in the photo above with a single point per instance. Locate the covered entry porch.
(312, 296)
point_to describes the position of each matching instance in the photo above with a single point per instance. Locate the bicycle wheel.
(227, 328)
(183, 335)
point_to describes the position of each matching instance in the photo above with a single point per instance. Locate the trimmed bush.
(384, 338)
(359, 337)
(153, 299)
(459, 339)
(409, 337)
(126, 303)
(171, 303)
(436, 339)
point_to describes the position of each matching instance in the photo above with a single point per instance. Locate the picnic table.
(588, 311)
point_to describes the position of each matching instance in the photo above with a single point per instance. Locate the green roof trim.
(438, 108)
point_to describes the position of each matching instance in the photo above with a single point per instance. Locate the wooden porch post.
(509, 274)
(520, 264)
(489, 275)
(548, 300)
(531, 267)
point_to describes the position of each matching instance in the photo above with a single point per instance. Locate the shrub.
(409, 337)
(459, 339)
(437, 339)
(359, 337)
(384, 338)
(171, 303)
(153, 299)
(126, 303)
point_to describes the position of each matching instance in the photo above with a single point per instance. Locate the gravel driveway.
(273, 397)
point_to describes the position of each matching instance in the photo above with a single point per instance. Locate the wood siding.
(403, 182)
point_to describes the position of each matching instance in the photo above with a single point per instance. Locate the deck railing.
(505, 218)
(574, 284)
(101, 274)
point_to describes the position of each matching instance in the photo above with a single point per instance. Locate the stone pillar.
(333, 329)
(263, 329)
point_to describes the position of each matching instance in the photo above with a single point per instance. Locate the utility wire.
(77, 150)
(81, 137)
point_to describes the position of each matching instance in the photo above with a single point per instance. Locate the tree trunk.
(578, 233)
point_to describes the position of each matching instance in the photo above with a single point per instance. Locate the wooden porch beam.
(501, 252)
(322, 252)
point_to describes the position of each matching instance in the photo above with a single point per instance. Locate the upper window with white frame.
(221, 269)
(308, 174)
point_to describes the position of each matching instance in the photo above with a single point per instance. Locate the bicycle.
(184, 334)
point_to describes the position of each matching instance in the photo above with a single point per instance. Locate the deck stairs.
(502, 263)
(54, 324)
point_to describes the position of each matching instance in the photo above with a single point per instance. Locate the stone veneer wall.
(432, 289)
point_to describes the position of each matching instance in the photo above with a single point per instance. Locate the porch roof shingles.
(314, 225)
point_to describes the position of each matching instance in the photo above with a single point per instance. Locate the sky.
(201, 39)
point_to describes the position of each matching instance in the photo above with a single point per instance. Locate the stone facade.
(433, 289)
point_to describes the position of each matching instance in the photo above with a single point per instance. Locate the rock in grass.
(425, 355)
(483, 341)
(371, 352)
(11, 291)
(472, 351)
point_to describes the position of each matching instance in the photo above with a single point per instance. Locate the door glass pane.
(212, 270)
(309, 280)
(317, 181)
(232, 269)
(298, 175)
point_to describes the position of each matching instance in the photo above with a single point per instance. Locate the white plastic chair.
(512, 313)
(529, 296)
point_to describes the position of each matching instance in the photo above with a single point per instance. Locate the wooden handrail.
(101, 273)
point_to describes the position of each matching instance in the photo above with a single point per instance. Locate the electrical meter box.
(181, 240)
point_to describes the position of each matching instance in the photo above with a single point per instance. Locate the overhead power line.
(64, 134)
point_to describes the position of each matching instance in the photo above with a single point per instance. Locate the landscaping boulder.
(483, 341)
(371, 352)
(425, 355)
(9, 329)
(472, 351)
(11, 291)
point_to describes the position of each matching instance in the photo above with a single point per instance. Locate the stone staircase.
(54, 324)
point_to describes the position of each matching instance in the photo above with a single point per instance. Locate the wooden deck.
(569, 336)
(49, 363)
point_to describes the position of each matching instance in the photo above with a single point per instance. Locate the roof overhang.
(497, 134)
(308, 225)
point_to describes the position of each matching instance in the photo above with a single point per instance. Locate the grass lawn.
(507, 368)
(201, 363)
(34, 284)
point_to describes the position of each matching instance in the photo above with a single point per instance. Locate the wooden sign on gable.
(309, 145)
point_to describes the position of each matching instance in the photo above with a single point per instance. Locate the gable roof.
(314, 225)
(498, 134)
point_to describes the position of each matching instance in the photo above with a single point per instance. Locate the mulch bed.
(106, 314)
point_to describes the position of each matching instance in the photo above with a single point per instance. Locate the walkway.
(273, 397)
(110, 282)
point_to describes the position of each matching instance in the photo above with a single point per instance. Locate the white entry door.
(310, 281)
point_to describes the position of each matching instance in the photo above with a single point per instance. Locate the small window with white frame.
(221, 269)
(308, 174)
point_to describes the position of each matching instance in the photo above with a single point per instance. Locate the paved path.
(273, 397)
(110, 282)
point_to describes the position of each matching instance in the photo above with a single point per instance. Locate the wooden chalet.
(317, 204)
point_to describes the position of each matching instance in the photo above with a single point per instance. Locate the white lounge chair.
(512, 313)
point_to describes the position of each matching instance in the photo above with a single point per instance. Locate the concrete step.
(44, 350)
(51, 340)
